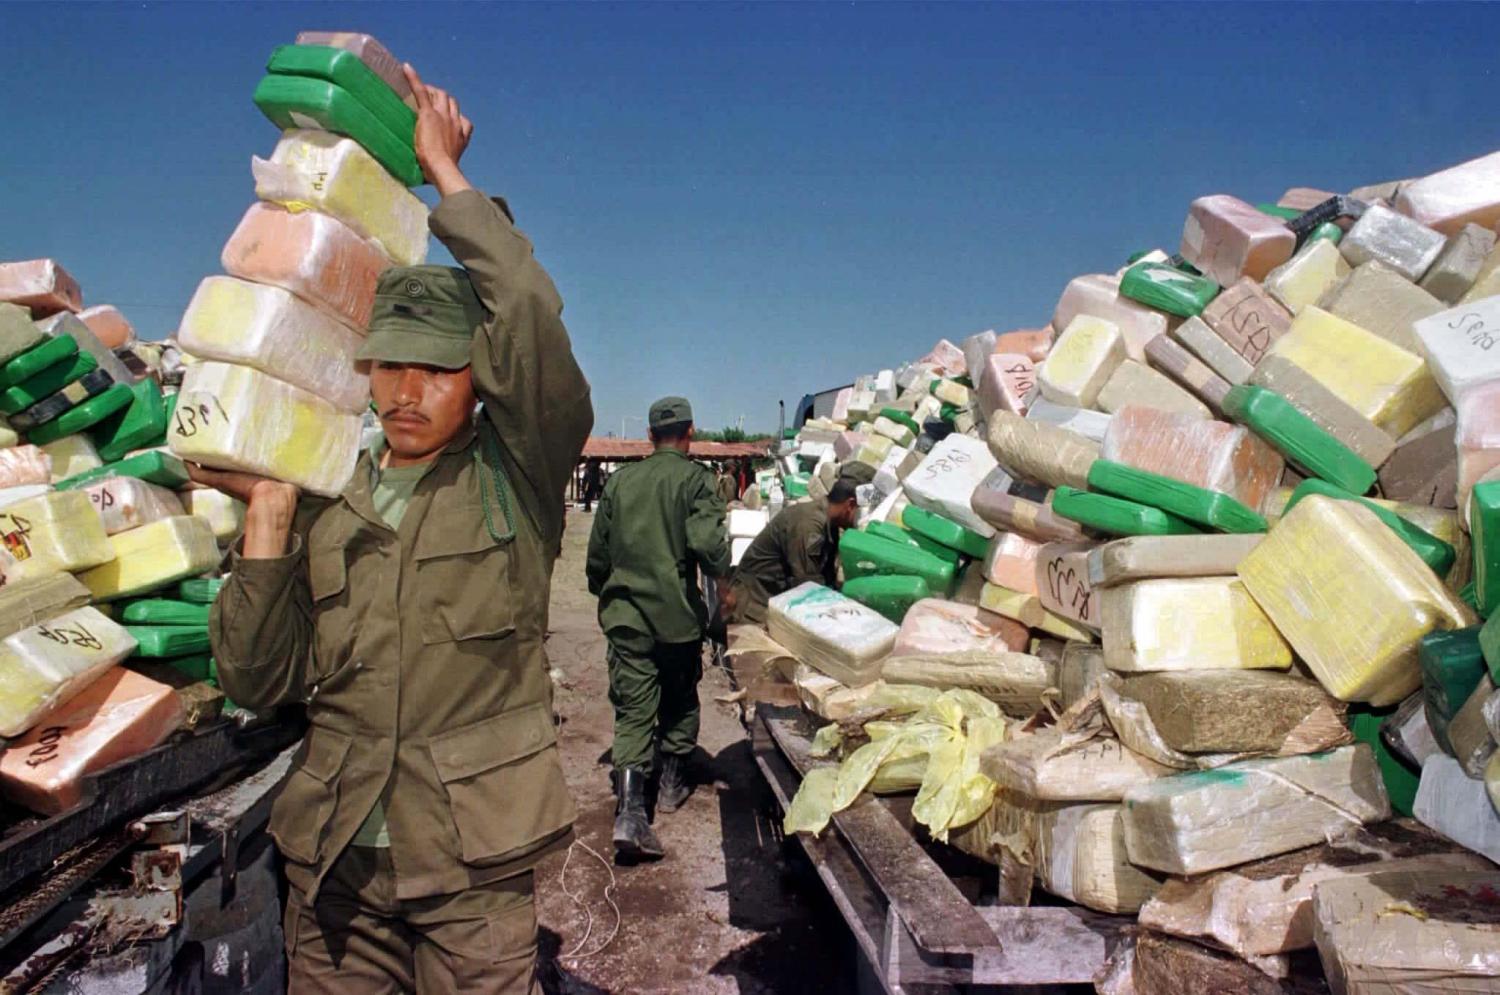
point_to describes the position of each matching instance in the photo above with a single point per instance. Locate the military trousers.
(654, 688)
(357, 937)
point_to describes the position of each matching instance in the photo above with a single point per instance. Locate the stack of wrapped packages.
(271, 386)
(1175, 608)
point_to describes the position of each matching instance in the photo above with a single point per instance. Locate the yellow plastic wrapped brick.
(1383, 382)
(57, 532)
(72, 455)
(8, 436)
(167, 550)
(1080, 856)
(1027, 609)
(1188, 623)
(224, 514)
(1085, 356)
(321, 171)
(1351, 598)
(1304, 278)
(44, 665)
(236, 418)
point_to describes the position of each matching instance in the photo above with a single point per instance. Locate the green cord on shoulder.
(487, 456)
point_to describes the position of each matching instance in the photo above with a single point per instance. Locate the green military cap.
(424, 314)
(670, 411)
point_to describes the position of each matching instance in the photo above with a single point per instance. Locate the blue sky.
(743, 203)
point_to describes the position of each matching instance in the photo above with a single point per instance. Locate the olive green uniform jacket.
(658, 524)
(419, 651)
(797, 546)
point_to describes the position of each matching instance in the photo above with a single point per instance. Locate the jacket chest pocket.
(504, 782)
(464, 585)
(302, 810)
(335, 619)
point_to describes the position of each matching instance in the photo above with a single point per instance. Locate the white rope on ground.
(573, 955)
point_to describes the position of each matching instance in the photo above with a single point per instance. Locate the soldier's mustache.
(404, 412)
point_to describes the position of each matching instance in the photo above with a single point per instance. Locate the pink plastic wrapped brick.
(1007, 383)
(1248, 318)
(1478, 436)
(1012, 562)
(1062, 581)
(847, 444)
(373, 54)
(1226, 239)
(947, 359)
(946, 628)
(109, 326)
(1211, 454)
(1302, 198)
(119, 716)
(1033, 343)
(1099, 295)
(23, 465)
(313, 255)
(1450, 199)
(41, 285)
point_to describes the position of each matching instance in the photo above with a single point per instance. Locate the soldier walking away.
(659, 523)
(593, 483)
(409, 613)
(799, 545)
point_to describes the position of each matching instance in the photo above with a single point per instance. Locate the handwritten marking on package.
(1251, 325)
(947, 464)
(46, 751)
(103, 498)
(14, 531)
(198, 413)
(71, 635)
(1474, 332)
(1069, 589)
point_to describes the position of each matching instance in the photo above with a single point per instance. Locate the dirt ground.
(732, 909)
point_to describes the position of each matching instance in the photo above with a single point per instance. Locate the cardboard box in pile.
(1221, 543)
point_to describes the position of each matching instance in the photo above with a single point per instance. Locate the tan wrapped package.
(1080, 856)
(1038, 451)
(1216, 354)
(1469, 733)
(1222, 711)
(1378, 299)
(29, 602)
(1189, 371)
(1134, 383)
(1027, 609)
(56, 532)
(1351, 598)
(1266, 907)
(1308, 395)
(1166, 965)
(1081, 667)
(1246, 317)
(1197, 623)
(1208, 819)
(1407, 933)
(1063, 583)
(1144, 557)
(1486, 281)
(1054, 764)
(1017, 682)
(827, 698)
(1213, 455)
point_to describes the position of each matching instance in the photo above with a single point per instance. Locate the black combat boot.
(672, 787)
(634, 839)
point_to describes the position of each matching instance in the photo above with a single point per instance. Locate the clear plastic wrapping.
(151, 556)
(1195, 623)
(1458, 266)
(945, 358)
(837, 635)
(45, 664)
(1085, 356)
(1027, 609)
(1352, 599)
(1458, 806)
(224, 514)
(1225, 711)
(373, 54)
(1007, 382)
(28, 602)
(946, 479)
(236, 418)
(1038, 451)
(1089, 424)
(1214, 455)
(1210, 819)
(271, 330)
(41, 285)
(56, 531)
(1486, 281)
(977, 349)
(1054, 764)
(1138, 384)
(125, 503)
(935, 627)
(22, 465)
(1462, 346)
(1477, 437)
(109, 326)
(1098, 295)
(1382, 302)
(1304, 278)
(321, 171)
(1017, 682)
(1143, 557)
(1404, 245)
(119, 716)
(1450, 198)
(1080, 856)
(1226, 238)
(1011, 561)
(315, 256)
(1196, 337)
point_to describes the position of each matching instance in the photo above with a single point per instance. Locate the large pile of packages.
(110, 556)
(1175, 608)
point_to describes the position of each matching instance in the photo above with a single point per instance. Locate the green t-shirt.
(392, 494)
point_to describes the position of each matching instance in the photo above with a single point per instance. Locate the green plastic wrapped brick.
(17, 331)
(863, 554)
(896, 533)
(344, 69)
(1434, 552)
(795, 484)
(1467, 596)
(1400, 780)
(142, 424)
(168, 640)
(154, 467)
(73, 395)
(86, 415)
(1489, 646)
(1277, 211)
(902, 418)
(942, 530)
(1484, 531)
(46, 383)
(1116, 515)
(165, 611)
(1211, 509)
(300, 102)
(197, 667)
(1328, 232)
(1452, 664)
(1168, 289)
(36, 359)
(200, 590)
(890, 595)
(1298, 437)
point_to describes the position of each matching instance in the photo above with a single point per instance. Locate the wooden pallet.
(916, 928)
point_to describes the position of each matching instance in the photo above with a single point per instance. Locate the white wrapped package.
(125, 503)
(1457, 805)
(1207, 819)
(166, 551)
(1086, 354)
(837, 635)
(1087, 423)
(1080, 856)
(274, 331)
(236, 418)
(44, 665)
(320, 171)
(946, 479)
(1462, 346)
(56, 532)
(315, 256)
(747, 523)
(224, 514)
(72, 455)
